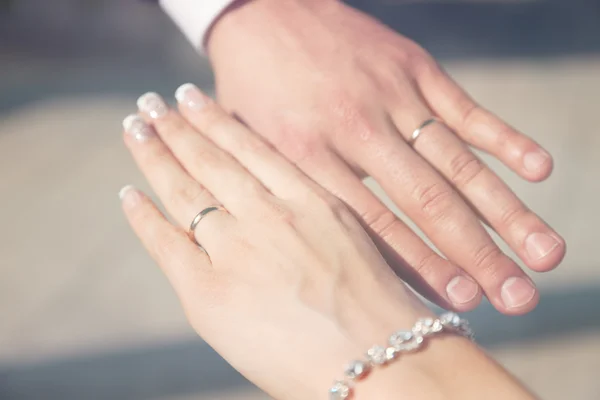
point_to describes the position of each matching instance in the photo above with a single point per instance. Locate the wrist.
(447, 366)
(416, 373)
(370, 307)
(234, 6)
(247, 18)
(425, 374)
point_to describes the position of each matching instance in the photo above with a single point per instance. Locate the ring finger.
(433, 204)
(182, 196)
(532, 240)
(236, 189)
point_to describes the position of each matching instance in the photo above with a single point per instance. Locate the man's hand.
(340, 95)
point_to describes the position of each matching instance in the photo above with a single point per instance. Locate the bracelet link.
(399, 342)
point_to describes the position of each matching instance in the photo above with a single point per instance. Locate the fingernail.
(535, 160)
(137, 128)
(189, 95)
(516, 292)
(539, 245)
(129, 195)
(152, 104)
(124, 190)
(462, 290)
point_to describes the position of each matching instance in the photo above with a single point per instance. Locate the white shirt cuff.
(195, 17)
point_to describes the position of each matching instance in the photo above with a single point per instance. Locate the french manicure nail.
(152, 104)
(189, 95)
(137, 128)
(124, 190)
(535, 160)
(129, 195)
(462, 290)
(539, 245)
(516, 292)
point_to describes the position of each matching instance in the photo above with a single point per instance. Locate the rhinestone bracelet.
(399, 342)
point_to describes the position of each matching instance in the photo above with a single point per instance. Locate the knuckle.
(419, 62)
(511, 215)
(396, 83)
(352, 119)
(422, 63)
(304, 149)
(363, 131)
(464, 168)
(504, 137)
(433, 199)
(382, 222)
(428, 266)
(488, 258)
(470, 112)
(473, 115)
(189, 195)
(297, 145)
(280, 212)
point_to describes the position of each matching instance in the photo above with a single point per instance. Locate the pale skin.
(339, 94)
(290, 287)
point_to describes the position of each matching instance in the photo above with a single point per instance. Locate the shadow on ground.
(193, 367)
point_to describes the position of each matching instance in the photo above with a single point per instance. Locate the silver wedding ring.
(199, 217)
(417, 132)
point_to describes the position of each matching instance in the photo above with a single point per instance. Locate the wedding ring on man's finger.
(417, 132)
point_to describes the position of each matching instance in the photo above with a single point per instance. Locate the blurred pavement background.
(85, 314)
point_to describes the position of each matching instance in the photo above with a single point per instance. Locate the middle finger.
(533, 241)
(182, 196)
(237, 189)
(431, 202)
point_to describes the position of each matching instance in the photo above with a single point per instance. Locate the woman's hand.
(339, 94)
(290, 287)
